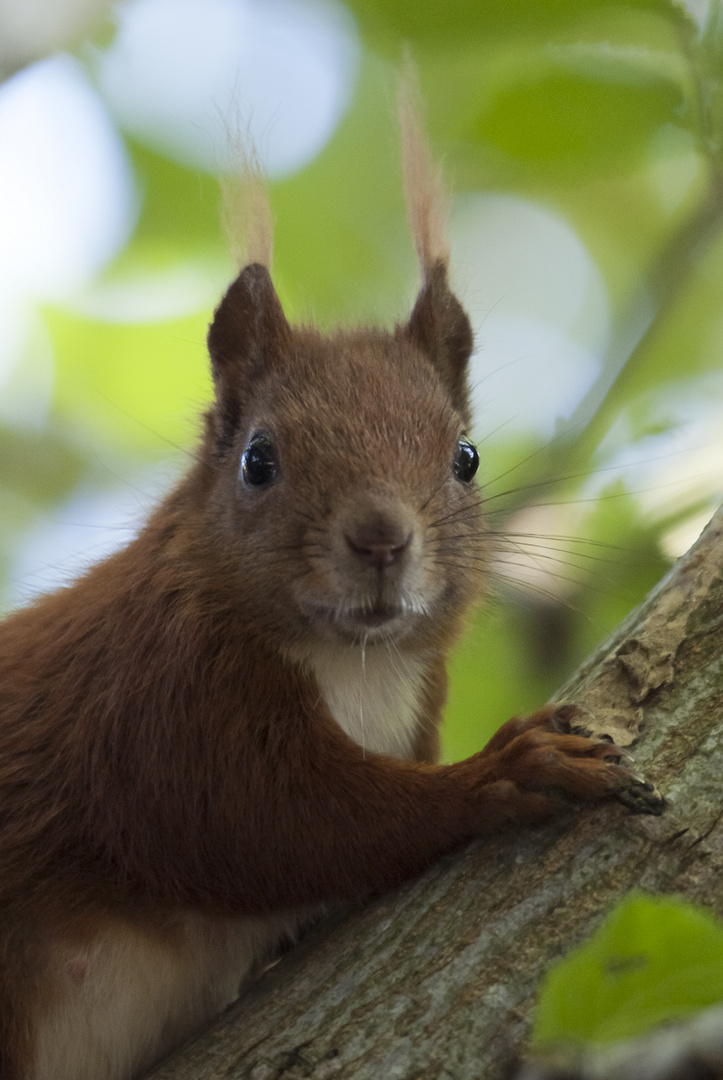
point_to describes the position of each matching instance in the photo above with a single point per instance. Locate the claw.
(563, 717)
(640, 797)
(617, 755)
(551, 749)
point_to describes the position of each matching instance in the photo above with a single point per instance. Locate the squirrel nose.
(379, 552)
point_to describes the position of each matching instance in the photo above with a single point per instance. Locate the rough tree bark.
(439, 979)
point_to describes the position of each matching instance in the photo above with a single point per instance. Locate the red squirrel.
(233, 721)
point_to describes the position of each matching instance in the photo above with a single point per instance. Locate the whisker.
(365, 638)
(539, 590)
(560, 539)
(539, 450)
(585, 583)
(581, 501)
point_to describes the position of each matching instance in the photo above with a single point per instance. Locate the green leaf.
(574, 124)
(655, 959)
(627, 65)
(430, 22)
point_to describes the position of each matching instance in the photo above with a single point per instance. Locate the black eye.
(466, 460)
(259, 466)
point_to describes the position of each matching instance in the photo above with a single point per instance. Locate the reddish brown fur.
(164, 746)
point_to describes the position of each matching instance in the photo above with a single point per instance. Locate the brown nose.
(377, 550)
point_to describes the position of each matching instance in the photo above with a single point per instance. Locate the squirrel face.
(348, 476)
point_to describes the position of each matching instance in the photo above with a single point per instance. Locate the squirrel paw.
(541, 752)
(557, 718)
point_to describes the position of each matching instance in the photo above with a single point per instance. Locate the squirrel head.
(337, 481)
(343, 478)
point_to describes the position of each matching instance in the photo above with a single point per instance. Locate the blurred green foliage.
(654, 959)
(586, 107)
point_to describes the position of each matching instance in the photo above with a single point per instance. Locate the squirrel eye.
(466, 460)
(259, 466)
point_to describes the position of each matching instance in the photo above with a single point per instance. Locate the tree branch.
(439, 979)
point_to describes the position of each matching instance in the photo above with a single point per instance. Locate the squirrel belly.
(121, 994)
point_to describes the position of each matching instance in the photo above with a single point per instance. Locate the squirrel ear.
(248, 329)
(439, 326)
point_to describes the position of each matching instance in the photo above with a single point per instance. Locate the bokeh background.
(583, 141)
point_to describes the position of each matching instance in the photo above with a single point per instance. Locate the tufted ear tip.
(440, 327)
(248, 322)
(248, 328)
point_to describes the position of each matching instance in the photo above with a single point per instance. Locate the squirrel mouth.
(360, 616)
(377, 616)
(356, 619)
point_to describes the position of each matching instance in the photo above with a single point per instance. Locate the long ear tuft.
(439, 326)
(248, 330)
(424, 190)
(246, 213)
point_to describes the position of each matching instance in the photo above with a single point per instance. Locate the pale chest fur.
(373, 694)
